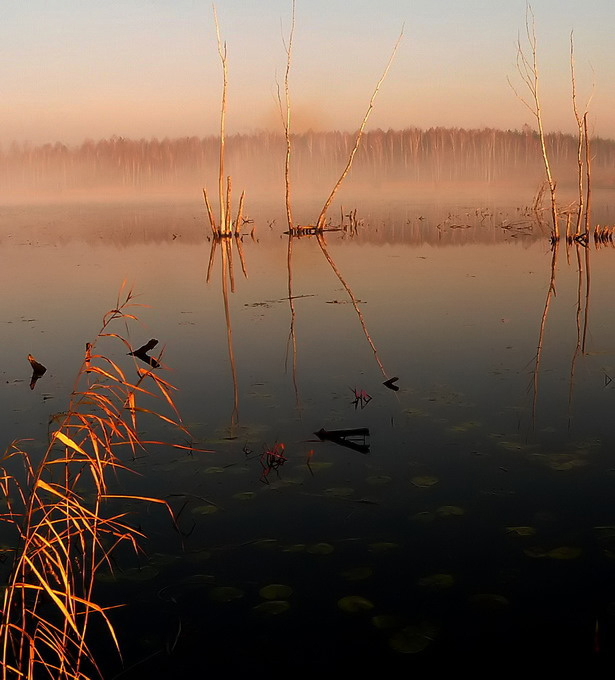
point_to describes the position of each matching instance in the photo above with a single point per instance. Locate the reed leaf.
(62, 539)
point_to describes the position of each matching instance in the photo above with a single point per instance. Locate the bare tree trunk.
(527, 66)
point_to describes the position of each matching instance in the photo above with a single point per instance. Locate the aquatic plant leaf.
(197, 555)
(535, 552)
(353, 604)
(272, 607)
(357, 573)
(379, 479)
(450, 511)
(275, 591)
(295, 548)
(199, 579)
(437, 581)
(564, 553)
(244, 495)
(410, 640)
(387, 621)
(320, 549)
(265, 543)
(465, 427)
(316, 465)
(339, 492)
(139, 573)
(163, 559)
(424, 481)
(225, 594)
(424, 517)
(204, 510)
(489, 601)
(521, 531)
(382, 546)
(214, 470)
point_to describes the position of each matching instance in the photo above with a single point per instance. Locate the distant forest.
(256, 161)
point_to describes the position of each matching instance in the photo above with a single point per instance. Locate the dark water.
(480, 524)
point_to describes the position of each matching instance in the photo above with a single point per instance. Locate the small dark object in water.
(38, 370)
(272, 459)
(360, 398)
(341, 437)
(142, 353)
(389, 383)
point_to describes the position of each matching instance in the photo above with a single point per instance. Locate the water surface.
(480, 522)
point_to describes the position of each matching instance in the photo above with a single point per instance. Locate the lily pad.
(225, 594)
(382, 546)
(244, 495)
(197, 555)
(275, 591)
(564, 553)
(489, 601)
(273, 607)
(199, 579)
(204, 510)
(450, 511)
(358, 573)
(139, 574)
(423, 517)
(316, 465)
(410, 640)
(521, 531)
(266, 543)
(295, 548)
(339, 492)
(387, 621)
(320, 549)
(437, 581)
(354, 604)
(379, 479)
(424, 481)
(214, 470)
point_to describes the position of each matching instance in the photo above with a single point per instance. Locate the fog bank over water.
(387, 162)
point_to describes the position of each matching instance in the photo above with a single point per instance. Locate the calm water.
(479, 525)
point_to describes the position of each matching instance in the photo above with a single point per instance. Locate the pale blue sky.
(71, 69)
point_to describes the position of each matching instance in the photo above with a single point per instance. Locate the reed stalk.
(286, 119)
(238, 219)
(582, 140)
(588, 169)
(222, 53)
(212, 221)
(65, 534)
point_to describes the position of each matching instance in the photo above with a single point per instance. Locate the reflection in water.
(323, 246)
(228, 277)
(543, 322)
(449, 469)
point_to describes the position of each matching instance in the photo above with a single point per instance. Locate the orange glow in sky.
(76, 69)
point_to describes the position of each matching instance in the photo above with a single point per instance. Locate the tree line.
(411, 155)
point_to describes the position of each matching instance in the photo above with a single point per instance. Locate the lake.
(441, 379)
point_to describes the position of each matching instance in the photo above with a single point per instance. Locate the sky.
(77, 69)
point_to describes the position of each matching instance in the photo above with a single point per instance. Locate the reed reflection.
(596, 238)
(228, 280)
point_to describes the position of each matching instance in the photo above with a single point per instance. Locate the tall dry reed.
(66, 520)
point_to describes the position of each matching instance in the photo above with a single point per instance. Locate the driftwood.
(344, 438)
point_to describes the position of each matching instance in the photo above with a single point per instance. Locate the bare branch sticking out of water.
(323, 214)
